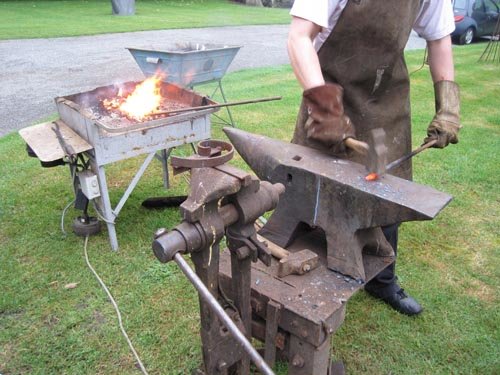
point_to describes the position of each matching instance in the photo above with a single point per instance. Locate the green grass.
(45, 18)
(451, 265)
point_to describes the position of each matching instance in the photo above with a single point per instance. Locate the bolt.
(243, 252)
(297, 361)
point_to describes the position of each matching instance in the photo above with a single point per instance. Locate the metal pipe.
(222, 315)
(201, 107)
(397, 162)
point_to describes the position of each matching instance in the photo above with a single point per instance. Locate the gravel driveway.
(35, 71)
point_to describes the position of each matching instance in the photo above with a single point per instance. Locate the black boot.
(399, 301)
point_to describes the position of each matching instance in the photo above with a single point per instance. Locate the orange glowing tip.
(372, 177)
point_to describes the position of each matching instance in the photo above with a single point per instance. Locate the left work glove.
(445, 125)
(327, 122)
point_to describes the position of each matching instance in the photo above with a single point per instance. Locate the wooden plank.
(43, 140)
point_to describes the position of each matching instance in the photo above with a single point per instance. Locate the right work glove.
(327, 122)
(445, 125)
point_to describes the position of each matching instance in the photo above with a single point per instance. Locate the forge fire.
(142, 103)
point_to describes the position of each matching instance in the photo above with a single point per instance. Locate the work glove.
(327, 122)
(445, 125)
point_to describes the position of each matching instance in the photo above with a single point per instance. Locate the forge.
(88, 137)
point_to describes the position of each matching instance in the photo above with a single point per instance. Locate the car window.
(460, 4)
(478, 5)
(491, 6)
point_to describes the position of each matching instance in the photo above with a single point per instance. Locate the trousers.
(385, 283)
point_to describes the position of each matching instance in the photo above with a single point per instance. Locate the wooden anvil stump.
(295, 316)
(332, 194)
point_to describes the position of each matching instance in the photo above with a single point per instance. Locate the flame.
(372, 177)
(143, 101)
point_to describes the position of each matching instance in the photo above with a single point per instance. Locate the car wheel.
(468, 36)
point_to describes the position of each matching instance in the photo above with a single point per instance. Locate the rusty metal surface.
(44, 142)
(129, 138)
(211, 153)
(89, 105)
(332, 194)
(311, 302)
(222, 203)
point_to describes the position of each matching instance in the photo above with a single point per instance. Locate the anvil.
(332, 194)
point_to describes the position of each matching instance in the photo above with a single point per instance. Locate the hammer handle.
(358, 146)
(276, 251)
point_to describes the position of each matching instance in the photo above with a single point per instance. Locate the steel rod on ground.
(226, 320)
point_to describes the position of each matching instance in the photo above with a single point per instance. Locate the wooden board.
(44, 142)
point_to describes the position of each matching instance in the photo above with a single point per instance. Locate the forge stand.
(296, 316)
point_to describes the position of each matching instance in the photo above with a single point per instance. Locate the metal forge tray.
(120, 139)
(187, 65)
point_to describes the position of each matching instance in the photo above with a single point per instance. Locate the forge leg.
(305, 359)
(163, 157)
(105, 206)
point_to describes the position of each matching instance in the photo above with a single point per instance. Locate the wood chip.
(71, 286)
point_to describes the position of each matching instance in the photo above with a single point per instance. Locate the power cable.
(62, 217)
(115, 305)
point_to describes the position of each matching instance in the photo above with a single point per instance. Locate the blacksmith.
(348, 57)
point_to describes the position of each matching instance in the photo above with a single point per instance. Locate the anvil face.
(331, 193)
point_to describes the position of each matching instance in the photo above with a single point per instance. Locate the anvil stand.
(295, 316)
(223, 200)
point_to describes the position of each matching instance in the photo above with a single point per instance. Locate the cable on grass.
(115, 305)
(63, 215)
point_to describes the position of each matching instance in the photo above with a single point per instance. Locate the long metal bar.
(221, 314)
(395, 163)
(201, 107)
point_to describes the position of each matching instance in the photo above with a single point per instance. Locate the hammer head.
(377, 154)
(298, 263)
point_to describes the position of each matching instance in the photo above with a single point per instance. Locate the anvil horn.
(330, 193)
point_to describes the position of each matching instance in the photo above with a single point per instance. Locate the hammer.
(296, 263)
(377, 155)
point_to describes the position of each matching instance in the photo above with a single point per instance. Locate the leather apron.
(364, 54)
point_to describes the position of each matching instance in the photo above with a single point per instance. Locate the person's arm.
(441, 59)
(445, 125)
(303, 56)
(327, 122)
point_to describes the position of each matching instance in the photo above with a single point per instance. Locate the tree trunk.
(257, 3)
(123, 7)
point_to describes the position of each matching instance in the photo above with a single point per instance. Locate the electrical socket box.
(89, 184)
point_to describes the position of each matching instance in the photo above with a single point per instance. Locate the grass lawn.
(451, 265)
(46, 18)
